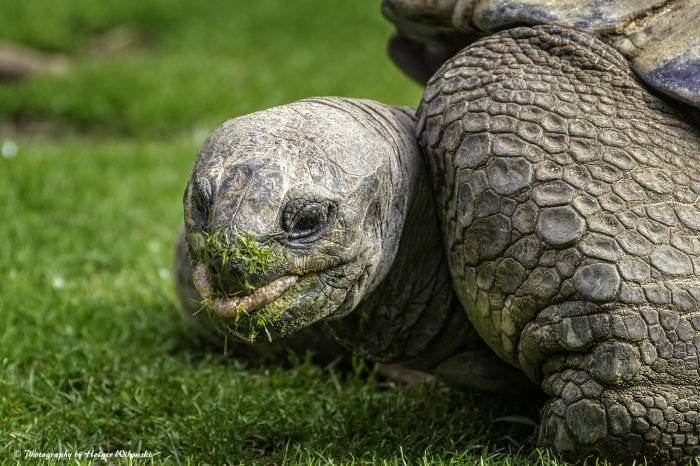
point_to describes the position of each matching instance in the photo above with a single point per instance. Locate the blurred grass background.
(94, 353)
(157, 66)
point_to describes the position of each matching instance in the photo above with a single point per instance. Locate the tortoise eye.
(303, 219)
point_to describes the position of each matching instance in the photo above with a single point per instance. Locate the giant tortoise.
(533, 226)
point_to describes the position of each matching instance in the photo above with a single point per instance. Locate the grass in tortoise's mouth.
(230, 306)
(224, 246)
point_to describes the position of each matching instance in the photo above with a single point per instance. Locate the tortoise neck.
(413, 315)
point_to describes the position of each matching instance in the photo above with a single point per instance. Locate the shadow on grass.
(293, 410)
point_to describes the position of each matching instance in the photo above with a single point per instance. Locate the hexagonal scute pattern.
(569, 197)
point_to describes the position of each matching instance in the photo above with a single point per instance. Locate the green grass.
(195, 65)
(96, 356)
(94, 353)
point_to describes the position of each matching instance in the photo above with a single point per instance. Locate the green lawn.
(95, 355)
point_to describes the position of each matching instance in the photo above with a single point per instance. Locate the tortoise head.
(293, 214)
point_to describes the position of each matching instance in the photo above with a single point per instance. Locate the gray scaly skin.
(339, 188)
(569, 198)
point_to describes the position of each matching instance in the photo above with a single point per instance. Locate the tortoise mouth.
(229, 306)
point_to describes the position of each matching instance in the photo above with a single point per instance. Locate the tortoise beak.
(229, 306)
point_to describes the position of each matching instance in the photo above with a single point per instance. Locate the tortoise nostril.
(203, 193)
(202, 200)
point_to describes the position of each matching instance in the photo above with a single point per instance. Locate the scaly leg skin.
(316, 338)
(570, 196)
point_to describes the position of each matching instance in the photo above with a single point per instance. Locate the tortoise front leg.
(571, 219)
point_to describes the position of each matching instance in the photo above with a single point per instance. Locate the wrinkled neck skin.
(413, 315)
